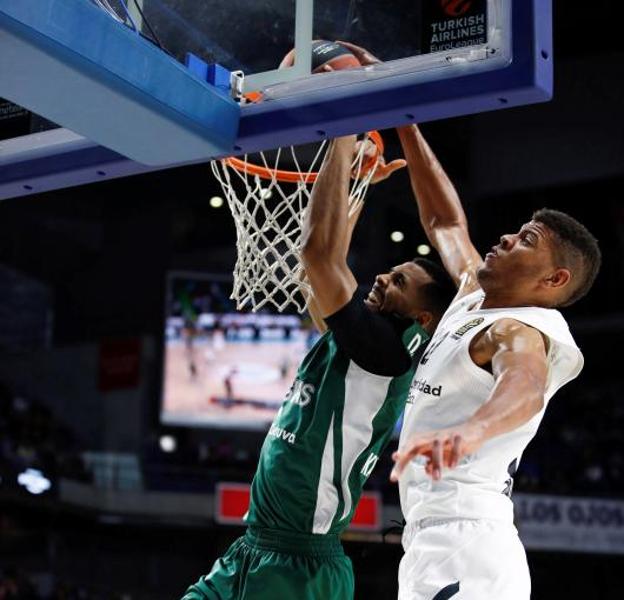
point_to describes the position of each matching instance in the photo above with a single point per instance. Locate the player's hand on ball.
(362, 54)
(442, 449)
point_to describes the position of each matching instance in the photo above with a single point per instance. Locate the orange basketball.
(332, 55)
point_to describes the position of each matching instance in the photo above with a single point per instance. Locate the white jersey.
(449, 388)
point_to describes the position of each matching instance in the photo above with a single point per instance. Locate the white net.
(269, 214)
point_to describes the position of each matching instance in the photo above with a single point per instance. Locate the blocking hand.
(442, 449)
(383, 170)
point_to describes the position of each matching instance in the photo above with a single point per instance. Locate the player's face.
(521, 262)
(400, 291)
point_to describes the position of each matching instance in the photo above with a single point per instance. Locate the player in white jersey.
(498, 355)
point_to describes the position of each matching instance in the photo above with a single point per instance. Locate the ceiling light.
(168, 443)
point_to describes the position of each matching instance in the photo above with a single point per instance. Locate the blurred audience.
(580, 448)
(31, 438)
(18, 585)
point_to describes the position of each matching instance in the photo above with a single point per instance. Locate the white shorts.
(463, 560)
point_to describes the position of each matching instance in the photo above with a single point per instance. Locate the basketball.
(326, 56)
(332, 55)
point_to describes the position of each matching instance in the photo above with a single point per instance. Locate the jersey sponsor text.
(281, 434)
(421, 385)
(301, 393)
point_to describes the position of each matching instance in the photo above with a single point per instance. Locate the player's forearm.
(326, 231)
(438, 202)
(516, 398)
(315, 315)
(313, 309)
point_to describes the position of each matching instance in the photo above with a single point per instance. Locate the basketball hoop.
(268, 204)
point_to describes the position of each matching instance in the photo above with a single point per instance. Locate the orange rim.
(295, 176)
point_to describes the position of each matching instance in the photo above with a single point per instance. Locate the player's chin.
(485, 271)
(372, 305)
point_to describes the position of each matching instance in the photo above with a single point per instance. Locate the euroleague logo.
(456, 8)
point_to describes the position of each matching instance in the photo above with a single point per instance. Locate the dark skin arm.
(326, 235)
(328, 228)
(441, 213)
(313, 308)
(440, 210)
(517, 354)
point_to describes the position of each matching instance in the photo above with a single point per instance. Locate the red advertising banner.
(232, 502)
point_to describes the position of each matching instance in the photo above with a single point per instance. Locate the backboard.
(118, 85)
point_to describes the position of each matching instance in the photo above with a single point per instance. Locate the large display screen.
(222, 367)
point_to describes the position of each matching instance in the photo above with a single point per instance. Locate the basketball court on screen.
(223, 368)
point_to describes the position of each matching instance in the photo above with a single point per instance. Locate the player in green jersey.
(337, 418)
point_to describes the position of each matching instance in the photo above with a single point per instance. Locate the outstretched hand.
(383, 170)
(442, 449)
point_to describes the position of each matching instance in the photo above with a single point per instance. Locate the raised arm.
(383, 170)
(441, 212)
(517, 353)
(313, 309)
(440, 209)
(326, 232)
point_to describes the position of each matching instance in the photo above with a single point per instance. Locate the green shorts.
(275, 565)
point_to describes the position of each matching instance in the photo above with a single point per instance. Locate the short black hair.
(442, 288)
(576, 249)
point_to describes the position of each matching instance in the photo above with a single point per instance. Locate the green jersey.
(326, 439)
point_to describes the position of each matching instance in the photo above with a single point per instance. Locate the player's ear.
(424, 318)
(559, 278)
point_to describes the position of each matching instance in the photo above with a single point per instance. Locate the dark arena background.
(134, 399)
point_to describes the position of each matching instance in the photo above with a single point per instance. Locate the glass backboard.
(254, 36)
(112, 73)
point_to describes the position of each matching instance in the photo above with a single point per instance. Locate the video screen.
(222, 367)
